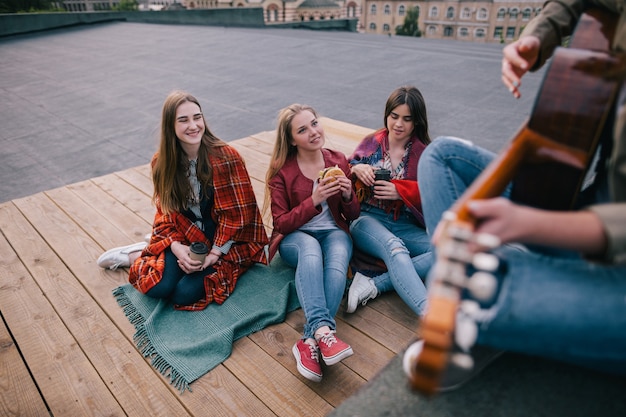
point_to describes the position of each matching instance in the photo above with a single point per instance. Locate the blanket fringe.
(145, 347)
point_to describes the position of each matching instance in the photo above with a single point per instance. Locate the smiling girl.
(311, 221)
(202, 193)
(391, 226)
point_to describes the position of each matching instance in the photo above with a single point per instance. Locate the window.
(386, 27)
(432, 30)
(466, 13)
(513, 13)
(526, 13)
(450, 13)
(401, 10)
(482, 14)
(387, 9)
(480, 33)
(497, 32)
(510, 32)
(463, 32)
(501, 13)
(373, 27)
(373, 9)
(447, 31)
(434, 12)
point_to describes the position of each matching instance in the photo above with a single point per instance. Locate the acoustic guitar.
(546, 162)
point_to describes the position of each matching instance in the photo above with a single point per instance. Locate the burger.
(331, 172)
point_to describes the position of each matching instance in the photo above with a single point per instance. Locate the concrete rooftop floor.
(82, 102)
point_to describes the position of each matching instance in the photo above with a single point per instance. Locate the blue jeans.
(176, 285)
(321, 260)
(550, 303)
(403, 246)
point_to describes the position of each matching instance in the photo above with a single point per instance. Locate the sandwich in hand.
(331, 172)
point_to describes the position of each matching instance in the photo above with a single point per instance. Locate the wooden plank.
(279, 389)
(18, 393)
(100, 215)
(59, 366)
(221, 389)
(127, 195)
(339, 381)
(137, 179)
(371, 356)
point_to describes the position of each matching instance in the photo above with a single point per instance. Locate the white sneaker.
(361, 291)
(116, 257)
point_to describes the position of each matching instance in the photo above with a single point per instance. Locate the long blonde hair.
(283, 147)
(169, 171)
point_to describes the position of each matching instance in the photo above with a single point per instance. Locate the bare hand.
(385, 190)
(501, 218)
(327, 187)
(187, 264)
(365, 173)
(518, 58)
(345, 187)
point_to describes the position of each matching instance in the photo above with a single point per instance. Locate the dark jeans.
(179, 287)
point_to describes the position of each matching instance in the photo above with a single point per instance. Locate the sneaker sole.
(338, 357)
(311, 376)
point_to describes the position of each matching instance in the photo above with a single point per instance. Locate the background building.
(478, 21)
(469, 20)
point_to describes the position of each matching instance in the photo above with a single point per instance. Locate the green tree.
(409, 27)
(21, 6)
(126, 6)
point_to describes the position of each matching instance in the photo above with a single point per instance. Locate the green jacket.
(556, 21)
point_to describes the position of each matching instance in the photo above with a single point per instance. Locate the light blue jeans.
(321, 260)
(551, 304)
(403, 246)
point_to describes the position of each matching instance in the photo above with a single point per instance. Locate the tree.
(126, 6)
(16, 6)
(409, 27)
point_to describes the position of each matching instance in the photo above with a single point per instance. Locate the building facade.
(484, 21)
(469, 20)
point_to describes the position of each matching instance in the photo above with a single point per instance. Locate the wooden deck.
(66, 347)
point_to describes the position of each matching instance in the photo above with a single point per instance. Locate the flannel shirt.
(238, 219)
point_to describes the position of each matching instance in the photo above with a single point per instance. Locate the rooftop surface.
(83, 102)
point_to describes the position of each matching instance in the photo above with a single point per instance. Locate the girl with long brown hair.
(203, 195)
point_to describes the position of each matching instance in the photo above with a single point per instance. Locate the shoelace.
(314, 352)
(328, 339)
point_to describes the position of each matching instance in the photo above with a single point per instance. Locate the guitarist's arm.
(542, 35)
(515, 223)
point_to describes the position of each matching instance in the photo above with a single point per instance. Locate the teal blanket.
(184, 345)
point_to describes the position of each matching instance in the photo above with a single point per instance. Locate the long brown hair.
(283, 147)
(413, 98)
(169, 171)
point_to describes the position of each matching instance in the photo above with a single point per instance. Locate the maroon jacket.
(292, 205)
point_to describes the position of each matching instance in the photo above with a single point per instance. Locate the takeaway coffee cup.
(198, 251)
(382, 174)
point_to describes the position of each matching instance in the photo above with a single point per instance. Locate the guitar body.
(546, 162)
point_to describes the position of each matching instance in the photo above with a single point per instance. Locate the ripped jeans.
(403, 246)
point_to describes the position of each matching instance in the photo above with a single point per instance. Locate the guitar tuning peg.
(487, 241)
(410, 357)
(482, 286)
(485, 261)
(462, 360)
(466, 332)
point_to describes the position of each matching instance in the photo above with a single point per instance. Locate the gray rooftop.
(83, 102)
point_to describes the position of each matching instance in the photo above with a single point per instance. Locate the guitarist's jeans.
(555, 305)
(403, 246)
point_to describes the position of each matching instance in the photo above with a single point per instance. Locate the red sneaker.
(333, 350)
(307, 360)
